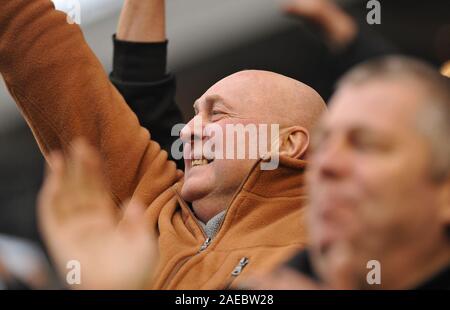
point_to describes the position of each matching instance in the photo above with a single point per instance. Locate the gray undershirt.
(212, 227)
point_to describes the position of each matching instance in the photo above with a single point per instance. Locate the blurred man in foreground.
(379, 184)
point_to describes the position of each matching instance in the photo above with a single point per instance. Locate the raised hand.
(338, 26)
(80, 222)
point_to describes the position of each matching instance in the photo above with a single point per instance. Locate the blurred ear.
(295, 142)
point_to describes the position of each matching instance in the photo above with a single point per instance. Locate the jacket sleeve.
(63, 93)
(139, 73)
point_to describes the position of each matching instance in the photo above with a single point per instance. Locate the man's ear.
(295, 142)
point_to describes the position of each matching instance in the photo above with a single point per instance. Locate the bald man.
(224, 217)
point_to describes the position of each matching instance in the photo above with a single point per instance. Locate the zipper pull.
(205, 245)
(238, 269)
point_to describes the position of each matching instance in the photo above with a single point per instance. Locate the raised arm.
(63, 93)
(349, 41)
(139, 69)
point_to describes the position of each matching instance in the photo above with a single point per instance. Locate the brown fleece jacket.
(63, 93)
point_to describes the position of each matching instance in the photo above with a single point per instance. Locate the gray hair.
(433, 118)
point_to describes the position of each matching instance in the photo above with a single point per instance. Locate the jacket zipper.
(207, 241)
(181, 263)
(205, 245)
(237, 271)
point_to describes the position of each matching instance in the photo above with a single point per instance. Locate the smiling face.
(247, 98)
(371, 189)
(209, 179)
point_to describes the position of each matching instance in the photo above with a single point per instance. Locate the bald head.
(272, 98)
(254, 100)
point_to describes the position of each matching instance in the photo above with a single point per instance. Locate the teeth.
(199, 162)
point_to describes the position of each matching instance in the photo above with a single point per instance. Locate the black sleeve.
(139, 73)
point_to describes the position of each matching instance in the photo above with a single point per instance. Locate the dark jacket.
(302, 263)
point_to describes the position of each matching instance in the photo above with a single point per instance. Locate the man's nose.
(193, 131)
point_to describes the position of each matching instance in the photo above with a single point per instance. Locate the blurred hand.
(307, 8)
(445, 69)
(79, 221)
(338, 26)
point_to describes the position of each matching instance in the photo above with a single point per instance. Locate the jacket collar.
(285, 182)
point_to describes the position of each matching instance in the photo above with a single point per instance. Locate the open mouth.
(201, 162)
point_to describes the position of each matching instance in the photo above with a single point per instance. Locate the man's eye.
(217, 115)
(365, 144)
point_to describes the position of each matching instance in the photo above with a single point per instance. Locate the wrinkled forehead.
(237, 93)
(376, 105)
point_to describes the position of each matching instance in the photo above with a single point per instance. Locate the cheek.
(227, 170)
(341, 225)
(376, 190)
(397, 203)
(393, 179)
(233, 143)
(387, 190)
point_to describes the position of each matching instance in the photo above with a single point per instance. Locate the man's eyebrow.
(213, 99)
(362, 128)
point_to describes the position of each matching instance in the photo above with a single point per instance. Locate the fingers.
(134, 226)
(49, 194)
(339, 27)
(305, 8)
(84, 167)
(74, 187)
(136, 232)
(133, 220)
(85, 183)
